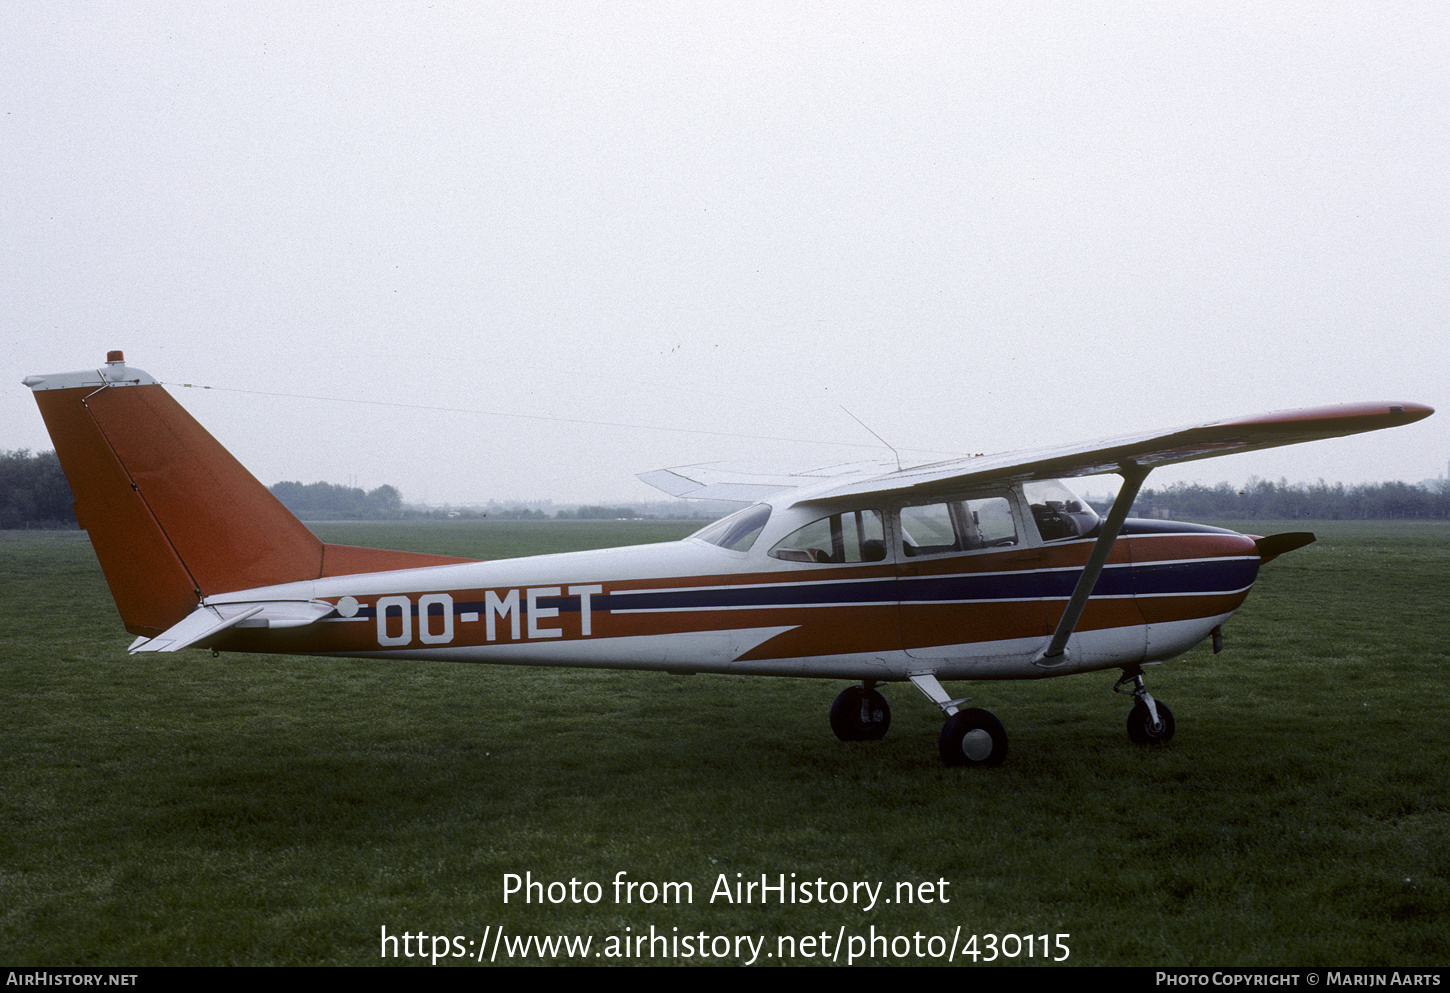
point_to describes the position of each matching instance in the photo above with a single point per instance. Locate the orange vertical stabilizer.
(173, 517)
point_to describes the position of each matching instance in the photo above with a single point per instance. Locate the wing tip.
(1353, 417)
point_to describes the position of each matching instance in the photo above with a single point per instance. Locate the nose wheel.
(1143, 730)
(1150, 722)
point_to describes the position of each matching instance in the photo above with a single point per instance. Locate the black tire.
(973, 738)
(1140, 724)
(859, 714)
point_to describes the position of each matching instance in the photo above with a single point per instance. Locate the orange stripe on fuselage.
(1169, 547)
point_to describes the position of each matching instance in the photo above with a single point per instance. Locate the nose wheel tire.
(973, 738)
(859, 714)
(1140, 724)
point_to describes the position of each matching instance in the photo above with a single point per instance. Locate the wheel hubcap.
(977, 745)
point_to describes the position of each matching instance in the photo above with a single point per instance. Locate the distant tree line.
(330, 502)
(34, 494)
(33, 491)
(656, 510)
(517, 513)
(597, 513)
(1261, 498)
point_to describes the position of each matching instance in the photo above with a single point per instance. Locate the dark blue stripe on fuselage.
(1218, 576)
(1186, 578)
(1154, 578)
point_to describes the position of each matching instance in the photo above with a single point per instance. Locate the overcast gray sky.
(977, 226)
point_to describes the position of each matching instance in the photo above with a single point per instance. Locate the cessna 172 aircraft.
(969, 569)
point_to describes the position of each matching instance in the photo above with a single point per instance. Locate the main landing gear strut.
(969, 737)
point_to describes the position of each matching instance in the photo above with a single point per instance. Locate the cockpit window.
(1058, 513)
(738, 531)
(855, 536)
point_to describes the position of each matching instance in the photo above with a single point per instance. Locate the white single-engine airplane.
(974, 568)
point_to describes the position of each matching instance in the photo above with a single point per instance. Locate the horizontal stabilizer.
(206, 621)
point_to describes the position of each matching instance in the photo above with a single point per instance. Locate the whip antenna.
(877, 437)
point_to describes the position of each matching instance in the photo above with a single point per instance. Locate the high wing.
(1137, 453)
(1132, 456)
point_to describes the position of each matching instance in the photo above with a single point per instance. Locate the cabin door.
(969, 584)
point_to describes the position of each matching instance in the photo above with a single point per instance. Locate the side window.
(929, 530)
(992, 519)
(957, 526)
(856, 536)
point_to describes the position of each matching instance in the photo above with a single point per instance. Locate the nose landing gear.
(1150, 722)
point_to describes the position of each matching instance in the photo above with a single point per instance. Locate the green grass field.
(185, 809)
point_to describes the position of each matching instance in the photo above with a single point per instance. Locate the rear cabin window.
(957, 526)
(855, 536)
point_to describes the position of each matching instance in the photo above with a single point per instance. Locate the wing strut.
(1056, 651)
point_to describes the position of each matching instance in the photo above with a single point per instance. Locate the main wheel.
(973, 737)
(859, 714)
(1140, 724)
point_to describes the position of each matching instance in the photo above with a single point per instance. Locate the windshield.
(738, 531)
(1058, 512)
